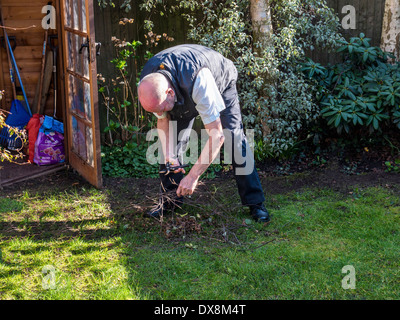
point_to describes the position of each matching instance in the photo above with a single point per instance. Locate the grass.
(98, 246)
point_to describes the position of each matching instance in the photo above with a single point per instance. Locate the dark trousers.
(249, 186)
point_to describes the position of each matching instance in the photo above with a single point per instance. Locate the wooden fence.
(368, 20)
(107, 25)
(369, 17)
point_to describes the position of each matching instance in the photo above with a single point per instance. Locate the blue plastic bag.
(51, 124)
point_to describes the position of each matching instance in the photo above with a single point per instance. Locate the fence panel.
(368, 20)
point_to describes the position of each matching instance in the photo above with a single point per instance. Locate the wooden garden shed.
(68, 28)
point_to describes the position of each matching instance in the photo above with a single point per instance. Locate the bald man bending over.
(181, 83)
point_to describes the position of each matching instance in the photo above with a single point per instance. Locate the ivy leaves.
(127, 161)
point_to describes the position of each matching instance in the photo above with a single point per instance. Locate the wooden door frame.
(60, 54)
(74, 160)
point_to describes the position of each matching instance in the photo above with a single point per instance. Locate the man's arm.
(208, 154)
(167, 148)
(209, 104)
(163, 135)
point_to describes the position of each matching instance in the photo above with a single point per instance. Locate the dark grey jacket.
(181, 64)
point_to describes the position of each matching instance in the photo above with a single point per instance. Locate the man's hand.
(186, 186)
(174, 163)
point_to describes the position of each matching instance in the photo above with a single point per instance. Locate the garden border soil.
(330, 175)
(130, 198)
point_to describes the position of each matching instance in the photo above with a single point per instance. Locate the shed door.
(80, 77)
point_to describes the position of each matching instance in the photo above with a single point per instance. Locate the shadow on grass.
(55, 230)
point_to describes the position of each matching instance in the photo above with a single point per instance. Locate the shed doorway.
(71, 94)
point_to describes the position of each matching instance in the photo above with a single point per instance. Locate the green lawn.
(98, 246)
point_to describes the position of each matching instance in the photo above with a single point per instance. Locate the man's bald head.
(153, 91)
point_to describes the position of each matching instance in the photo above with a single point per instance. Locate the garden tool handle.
(169, 168)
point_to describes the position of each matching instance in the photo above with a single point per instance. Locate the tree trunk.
(260, 13)
(261, 21)
(390, 40)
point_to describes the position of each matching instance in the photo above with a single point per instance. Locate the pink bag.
(49, 148)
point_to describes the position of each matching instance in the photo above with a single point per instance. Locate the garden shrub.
(291, 107)
(128, 160)
(361, 95)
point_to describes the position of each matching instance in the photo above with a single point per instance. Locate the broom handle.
(42, 72)
(19, 77)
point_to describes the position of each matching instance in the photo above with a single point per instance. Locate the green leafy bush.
(361, 94)
(127, 161)
(393, 166)
(130, 161)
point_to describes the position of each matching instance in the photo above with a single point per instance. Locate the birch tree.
(390, 40)
(260, 14)
(261, 22)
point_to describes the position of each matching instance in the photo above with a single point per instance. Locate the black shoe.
(165, 206)
(259, 213)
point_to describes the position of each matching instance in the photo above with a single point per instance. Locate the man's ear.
(171, 92)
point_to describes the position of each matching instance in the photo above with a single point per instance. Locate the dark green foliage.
(127, 161)
(361, 94)
(393, 166)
